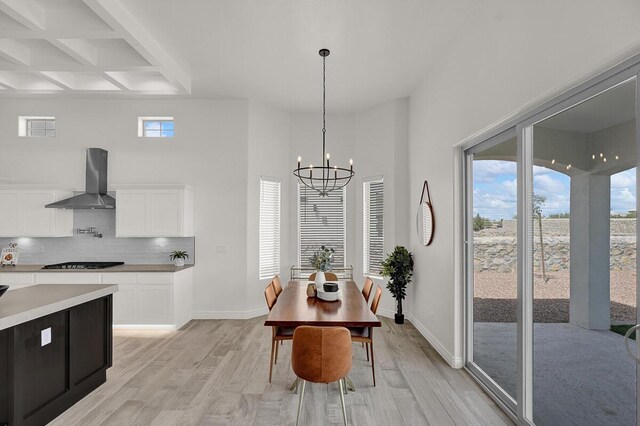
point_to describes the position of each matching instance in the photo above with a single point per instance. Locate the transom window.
(155, 127)
(34, 127)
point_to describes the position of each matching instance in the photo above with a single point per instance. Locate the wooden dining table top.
(294, 308)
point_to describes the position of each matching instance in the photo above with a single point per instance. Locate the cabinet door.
(41, 366)
(37, 221)
(131, 213)
(165, 213)
(9, 214)
(124, 305)
(89, 326)
(154, 304)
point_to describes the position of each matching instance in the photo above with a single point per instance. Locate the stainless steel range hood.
(95, 195)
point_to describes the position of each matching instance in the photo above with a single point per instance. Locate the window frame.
(25, 130)
(366, 220)
(142, 131)
(271, 270)
(344, 226)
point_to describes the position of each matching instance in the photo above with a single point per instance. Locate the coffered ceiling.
(81, 47)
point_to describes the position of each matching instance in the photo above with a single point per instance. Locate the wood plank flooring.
(215, 372)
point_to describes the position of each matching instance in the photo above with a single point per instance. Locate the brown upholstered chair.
(366, 288)
(321, 355)
(278, 334)
(329, 276)
(365, 334)
(277, 286)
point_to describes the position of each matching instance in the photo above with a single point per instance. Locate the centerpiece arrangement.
(321, 261)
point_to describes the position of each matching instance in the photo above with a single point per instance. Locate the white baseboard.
(454, 362)
(387, 313)
(230, 314)
(144, 327)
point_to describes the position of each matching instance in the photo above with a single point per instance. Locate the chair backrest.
(376, 300)
(270, 295)
(329, 276)
(277, 286)
(321, 354)
(366, 288)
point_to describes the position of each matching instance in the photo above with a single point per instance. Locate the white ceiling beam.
(115, 82)
(14, 52)
(119, 18)
(79, 49)
(9, 79)
(58, 34)
(27, 12)
(58, 82)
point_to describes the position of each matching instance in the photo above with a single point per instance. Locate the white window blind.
(373, 226)
(269, 228)
(321, 222)
(33, 127)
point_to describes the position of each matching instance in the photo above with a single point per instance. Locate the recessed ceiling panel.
(117, 52)
(7, 23)
(83, 81)
(43, 54)
(65, 14)
(31, 82)
(148, 82)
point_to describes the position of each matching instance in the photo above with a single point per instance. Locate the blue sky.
(494, 194)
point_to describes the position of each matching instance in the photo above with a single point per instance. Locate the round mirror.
(425, 223)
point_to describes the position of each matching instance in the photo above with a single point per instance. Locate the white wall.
(209, 151)
(268, 156)
(529, 50)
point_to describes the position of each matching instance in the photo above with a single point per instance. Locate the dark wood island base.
(42, 374)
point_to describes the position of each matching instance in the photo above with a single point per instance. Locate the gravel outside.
(495, 297)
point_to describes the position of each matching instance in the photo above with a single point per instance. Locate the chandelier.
(325, 177)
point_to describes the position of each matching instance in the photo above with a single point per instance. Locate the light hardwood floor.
(216, 372)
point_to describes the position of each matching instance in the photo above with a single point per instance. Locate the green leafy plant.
(398, 267)
(321, 259)
(178, 254)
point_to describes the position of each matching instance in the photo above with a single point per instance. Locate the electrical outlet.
(45, 337)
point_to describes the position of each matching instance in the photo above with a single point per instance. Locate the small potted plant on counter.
(178, 257)
(398, 266)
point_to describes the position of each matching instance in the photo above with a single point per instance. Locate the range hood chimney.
(95, 195)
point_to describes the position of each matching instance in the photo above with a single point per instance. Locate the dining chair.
(277, 286)
(278, 334)
(366, 288)
(321, 355)
(329, 276)
(365, 334)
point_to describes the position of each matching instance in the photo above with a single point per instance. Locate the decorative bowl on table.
(329, 296)
(3, 289)
(330, 286)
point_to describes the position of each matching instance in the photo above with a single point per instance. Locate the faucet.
(90, 230)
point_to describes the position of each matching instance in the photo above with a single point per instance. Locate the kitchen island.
(55, 348)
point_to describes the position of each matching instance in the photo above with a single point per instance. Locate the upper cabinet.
(22, 211)
(154, 211)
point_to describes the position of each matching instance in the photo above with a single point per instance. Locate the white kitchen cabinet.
(154, 211)
(22, 211)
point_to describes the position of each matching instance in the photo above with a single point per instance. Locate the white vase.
(179, 262)
(320, 279)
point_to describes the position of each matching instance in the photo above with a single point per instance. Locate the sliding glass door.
(550, 268)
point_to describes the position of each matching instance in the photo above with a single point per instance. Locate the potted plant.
(178, 257)
(321, 261)
(398, 266)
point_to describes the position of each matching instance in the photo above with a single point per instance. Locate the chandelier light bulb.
(604, 159)
(569, 167)
(617, 158)
(553, 161)
(328, 156)
(593, 156)
(601, 155)
(299, 158)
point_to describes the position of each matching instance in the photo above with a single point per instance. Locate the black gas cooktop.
(83, 265)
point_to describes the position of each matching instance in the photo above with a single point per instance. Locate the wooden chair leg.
(276, 360)
(367, 349)
(273, 346)
(373, 364)
(304, 382)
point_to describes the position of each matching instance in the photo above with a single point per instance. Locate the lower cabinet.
(50, 363)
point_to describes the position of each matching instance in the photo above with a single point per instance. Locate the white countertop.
(26, 304)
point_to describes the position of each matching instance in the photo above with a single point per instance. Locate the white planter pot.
(320, 279)
(179, 262)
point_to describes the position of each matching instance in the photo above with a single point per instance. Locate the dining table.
(294, 308)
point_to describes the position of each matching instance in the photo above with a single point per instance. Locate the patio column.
(589, 251)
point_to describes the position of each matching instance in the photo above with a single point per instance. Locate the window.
(373, 225)
(321, 222)
(269, 228)
(34, 127)
(155, 127)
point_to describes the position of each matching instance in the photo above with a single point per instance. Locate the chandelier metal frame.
(324, 178)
